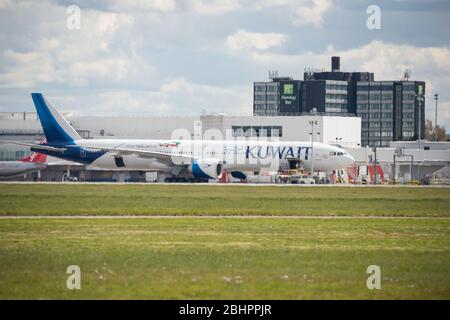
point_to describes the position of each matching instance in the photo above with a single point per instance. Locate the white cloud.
(141, 5)
(195, 97)
(215, 7)
(302, 12)
(177, 96)
(71, 57)
(112, 102)
(312, 14)
(243, 40)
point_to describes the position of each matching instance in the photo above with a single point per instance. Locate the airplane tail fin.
(56, 129)
(36, 156)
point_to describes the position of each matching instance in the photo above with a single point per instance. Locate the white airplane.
(184, 160)
(34, 162)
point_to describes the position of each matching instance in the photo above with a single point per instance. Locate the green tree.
(431, 132)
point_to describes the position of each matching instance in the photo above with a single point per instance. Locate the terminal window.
(257, 131)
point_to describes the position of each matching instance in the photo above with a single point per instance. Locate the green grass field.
(224, 258)
(57, 199)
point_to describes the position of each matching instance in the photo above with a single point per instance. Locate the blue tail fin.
(56, 129)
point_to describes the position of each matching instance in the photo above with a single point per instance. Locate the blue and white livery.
(202, 159)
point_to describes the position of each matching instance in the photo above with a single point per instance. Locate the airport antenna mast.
(273, 74)
(406, 75)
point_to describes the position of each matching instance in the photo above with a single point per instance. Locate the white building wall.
(347, 130)
(118, 127)
(19, 121)
(386, 155)
(133, 127)
(296, 128)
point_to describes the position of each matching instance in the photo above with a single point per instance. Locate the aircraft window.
(340, 153)
(332, 153)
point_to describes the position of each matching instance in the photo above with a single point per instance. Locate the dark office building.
(281, 96)
(288, 97)
(389, 110)
(349, 78)
(329, 97)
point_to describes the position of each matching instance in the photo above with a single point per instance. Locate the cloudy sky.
(164, 57)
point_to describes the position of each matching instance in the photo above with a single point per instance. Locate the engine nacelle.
(238, 175)
(207, 169)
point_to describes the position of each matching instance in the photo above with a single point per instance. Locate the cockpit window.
(333, 153)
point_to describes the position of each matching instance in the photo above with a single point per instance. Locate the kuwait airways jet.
(189, 160)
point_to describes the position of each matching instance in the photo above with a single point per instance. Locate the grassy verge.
(19, 199)
(225, 258)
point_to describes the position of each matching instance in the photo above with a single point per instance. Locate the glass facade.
(265, 99)
(336, 96)
(387, 108)
(257, 131)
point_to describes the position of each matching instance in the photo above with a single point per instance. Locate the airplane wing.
(64, 163)
(164, 156)
(34, 146)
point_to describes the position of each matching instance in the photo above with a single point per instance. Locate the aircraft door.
(294, 163)
(119, 162)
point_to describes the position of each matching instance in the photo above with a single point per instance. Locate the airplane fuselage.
(235, 155)
(14, 168)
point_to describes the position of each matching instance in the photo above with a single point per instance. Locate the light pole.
(420, 99)
(312, 123)
(375, 173)
(436, 96)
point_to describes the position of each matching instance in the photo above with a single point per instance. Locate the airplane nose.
(350, 160)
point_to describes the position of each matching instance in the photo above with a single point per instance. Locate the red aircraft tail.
(35, 156)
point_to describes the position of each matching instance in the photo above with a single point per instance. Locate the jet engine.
(207, 169)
